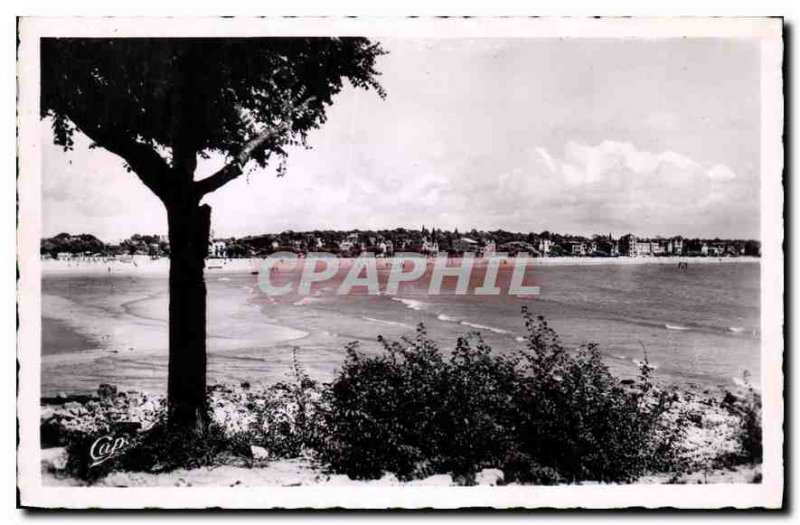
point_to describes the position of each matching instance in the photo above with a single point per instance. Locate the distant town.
(432, 242)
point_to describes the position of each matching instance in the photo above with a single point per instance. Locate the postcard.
(400, 263)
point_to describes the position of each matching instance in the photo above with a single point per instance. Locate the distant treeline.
(88, 245)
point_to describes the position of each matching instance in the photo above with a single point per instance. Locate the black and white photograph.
(400, 263)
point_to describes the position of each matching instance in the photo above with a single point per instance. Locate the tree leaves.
(191, 96)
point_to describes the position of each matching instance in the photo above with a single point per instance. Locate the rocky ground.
(710, 433)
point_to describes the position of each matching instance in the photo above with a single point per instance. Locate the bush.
(384, 411)
(283, 418)
(576, 418)
(747, 409)
(542, 415)
(414, 413)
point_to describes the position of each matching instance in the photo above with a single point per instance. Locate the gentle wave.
(738, 381)
(484, 327)
(410, 303)
(736, 329)
(450, 319)
(306, 300)
(675, 327)
(388, 323)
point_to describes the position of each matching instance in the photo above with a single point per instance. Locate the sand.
(144, 265)
(125, 332)
(301, 472)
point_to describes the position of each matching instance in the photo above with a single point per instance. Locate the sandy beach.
(126, 338)
(143, 265)
(300, 472)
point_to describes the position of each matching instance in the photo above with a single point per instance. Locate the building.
(604, 247)
(675, 246)
(424, 245)
(544, 246)
(430, 247)
(630, 246)
(577, 248)
(346, 246)
(515, 248)
(218, 249)
(658, 248)
(384, 248)
(465, 244)
(627, 245)
(643, 248)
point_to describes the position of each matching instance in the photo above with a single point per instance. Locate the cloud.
(545, 156)
(616, 186)
(721, 173)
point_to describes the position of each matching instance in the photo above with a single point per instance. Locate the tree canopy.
(160, 102)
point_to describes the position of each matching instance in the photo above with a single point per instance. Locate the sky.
(582, 136)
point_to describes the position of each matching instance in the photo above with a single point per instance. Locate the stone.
(387, 480)
(490, 476)
(259, 453)
(54, 459)
(729, 399)
(73, 407)
(106, 391)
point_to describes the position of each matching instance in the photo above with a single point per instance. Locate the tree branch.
(149, 166)
(235, 168)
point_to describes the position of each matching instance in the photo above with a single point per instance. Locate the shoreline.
(160, 267)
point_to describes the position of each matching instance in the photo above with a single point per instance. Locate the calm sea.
(698, 326)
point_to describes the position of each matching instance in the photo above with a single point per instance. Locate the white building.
(544, 247)
(217, 249)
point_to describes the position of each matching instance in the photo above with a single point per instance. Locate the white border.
(768, 493)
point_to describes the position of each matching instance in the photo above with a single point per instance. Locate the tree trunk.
(186, 386)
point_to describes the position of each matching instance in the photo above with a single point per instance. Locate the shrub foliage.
(543, 415)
